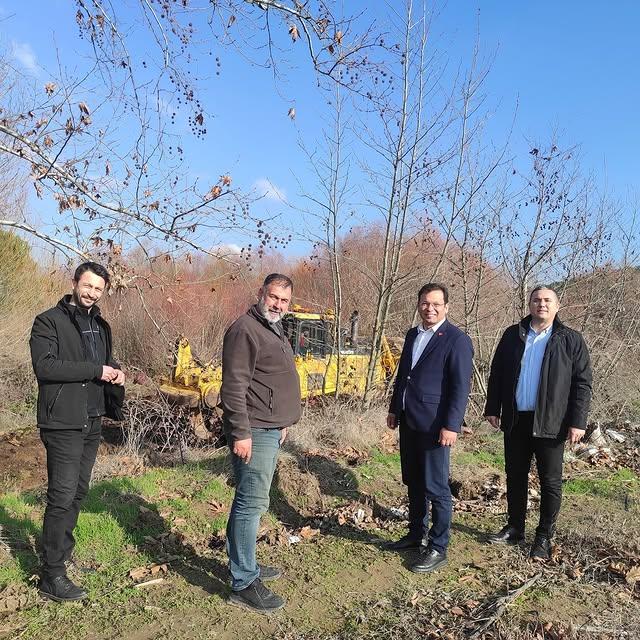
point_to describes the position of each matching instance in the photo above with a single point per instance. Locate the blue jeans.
(251, 500)
(425, 471)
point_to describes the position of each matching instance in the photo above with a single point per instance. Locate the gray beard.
(268, 315)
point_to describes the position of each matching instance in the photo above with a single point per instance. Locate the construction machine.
(196, 386)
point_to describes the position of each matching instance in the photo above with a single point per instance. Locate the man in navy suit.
(428, 403)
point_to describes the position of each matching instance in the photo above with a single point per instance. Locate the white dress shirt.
(422, 340)
(420, 343)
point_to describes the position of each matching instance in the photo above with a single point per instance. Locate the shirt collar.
(544, 332)
(433, 329)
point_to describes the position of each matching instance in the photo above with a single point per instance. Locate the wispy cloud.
(25, 55)
(266, 189)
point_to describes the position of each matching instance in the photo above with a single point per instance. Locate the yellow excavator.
(196, 386)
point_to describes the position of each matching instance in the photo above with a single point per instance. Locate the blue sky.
(569, 66)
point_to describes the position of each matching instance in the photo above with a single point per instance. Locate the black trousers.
(71, 454)
(519, 448)
(425, 471)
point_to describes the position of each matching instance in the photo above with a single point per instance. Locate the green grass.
(471, 458)
(379, 462)
(622, 482)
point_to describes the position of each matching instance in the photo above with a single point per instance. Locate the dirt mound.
(22, 461)
(297, 489)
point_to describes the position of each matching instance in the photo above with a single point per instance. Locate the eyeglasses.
(431, 305)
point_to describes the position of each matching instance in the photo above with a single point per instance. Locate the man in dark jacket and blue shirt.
(429, 401)
(71, 355)
(260, 397)
(539, 393)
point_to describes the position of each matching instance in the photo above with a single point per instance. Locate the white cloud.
(226, 250)
(266, 189)
(25, 55)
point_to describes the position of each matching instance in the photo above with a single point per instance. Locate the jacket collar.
(71, 309)
(525, 325)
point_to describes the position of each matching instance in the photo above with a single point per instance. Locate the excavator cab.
(309, 337)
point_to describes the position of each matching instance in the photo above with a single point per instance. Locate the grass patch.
(622, 482)
(471, 458)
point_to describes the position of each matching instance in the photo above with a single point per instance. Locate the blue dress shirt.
(530, 366)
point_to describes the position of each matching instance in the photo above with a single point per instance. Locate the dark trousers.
(71, 454)
(519, 448)
(425, 471)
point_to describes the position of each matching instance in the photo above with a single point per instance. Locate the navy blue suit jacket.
(437, 388)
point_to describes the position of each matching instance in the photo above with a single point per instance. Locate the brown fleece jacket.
(260, 385)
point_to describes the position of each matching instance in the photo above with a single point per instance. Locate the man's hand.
(119, 378)
(109, 373)
(283, 435)
(447, 438)
(575, 435)
(391, 421)
(494, 421)
(242, 448)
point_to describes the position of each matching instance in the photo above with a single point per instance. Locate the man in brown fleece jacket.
(260, 398)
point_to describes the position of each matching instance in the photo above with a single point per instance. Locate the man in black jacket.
(78, 383)
(539, 393)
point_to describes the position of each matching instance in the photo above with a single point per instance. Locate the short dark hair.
(434, 286)
(93, 267)
(278, 278)
(539, 287)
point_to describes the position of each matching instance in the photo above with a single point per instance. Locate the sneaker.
(61, 589)
(269, 573)
(257, 597)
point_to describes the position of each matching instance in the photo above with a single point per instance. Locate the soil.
(23, 462)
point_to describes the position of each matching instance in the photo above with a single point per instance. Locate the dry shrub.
(328, 423)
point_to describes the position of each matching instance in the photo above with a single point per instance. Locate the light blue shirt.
(420, 343)
(530, 366)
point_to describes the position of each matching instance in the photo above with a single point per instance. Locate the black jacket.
(64, 369)
(564, 393)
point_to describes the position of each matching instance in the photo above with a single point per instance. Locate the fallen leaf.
(306, 533)
(138, 573)
(633, 575)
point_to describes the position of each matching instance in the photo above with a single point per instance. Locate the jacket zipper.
(53, 402)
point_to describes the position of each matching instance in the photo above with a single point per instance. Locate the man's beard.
(270, 316)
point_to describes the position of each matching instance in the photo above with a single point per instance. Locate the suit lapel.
(436, 339)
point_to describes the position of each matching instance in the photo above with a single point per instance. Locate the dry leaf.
(633, 575)
(214, 192)
(306, 533)
(50, 88)
(83, 108)
(293, 32)
(226, 180)
(457, 611)
(292, 113)
(338, 37)
(138, 573)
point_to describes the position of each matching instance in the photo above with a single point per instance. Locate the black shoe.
(541, 548)
(61, 589)
(507, 535)
(406, 542)
(269, 573)
(430, 560)
(257, 598)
